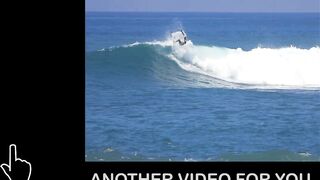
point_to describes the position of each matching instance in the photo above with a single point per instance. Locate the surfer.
(180, 37)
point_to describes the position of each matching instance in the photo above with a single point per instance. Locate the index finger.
(12, 154)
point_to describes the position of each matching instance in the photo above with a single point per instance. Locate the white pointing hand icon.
(17, 169)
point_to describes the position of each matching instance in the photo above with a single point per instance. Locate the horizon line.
(205, 11)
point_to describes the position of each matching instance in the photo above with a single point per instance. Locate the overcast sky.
(205, 5)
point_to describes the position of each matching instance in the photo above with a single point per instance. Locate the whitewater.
(289, 67)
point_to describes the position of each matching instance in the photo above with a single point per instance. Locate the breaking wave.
(287, 67)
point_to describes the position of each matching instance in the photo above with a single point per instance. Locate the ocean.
(245, 87)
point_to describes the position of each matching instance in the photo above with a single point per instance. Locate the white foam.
(288, 66)
(165, 43)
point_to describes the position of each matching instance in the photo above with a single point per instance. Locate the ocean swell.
(287, 67)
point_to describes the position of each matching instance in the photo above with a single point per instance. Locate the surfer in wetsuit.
(184, 38)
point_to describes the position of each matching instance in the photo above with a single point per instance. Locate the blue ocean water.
(245, 87)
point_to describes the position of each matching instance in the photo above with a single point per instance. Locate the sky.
(205, 5)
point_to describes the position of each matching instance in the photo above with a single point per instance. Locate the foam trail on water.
(165, 43)
(288, 66)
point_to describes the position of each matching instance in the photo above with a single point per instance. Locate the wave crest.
(287, 67)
